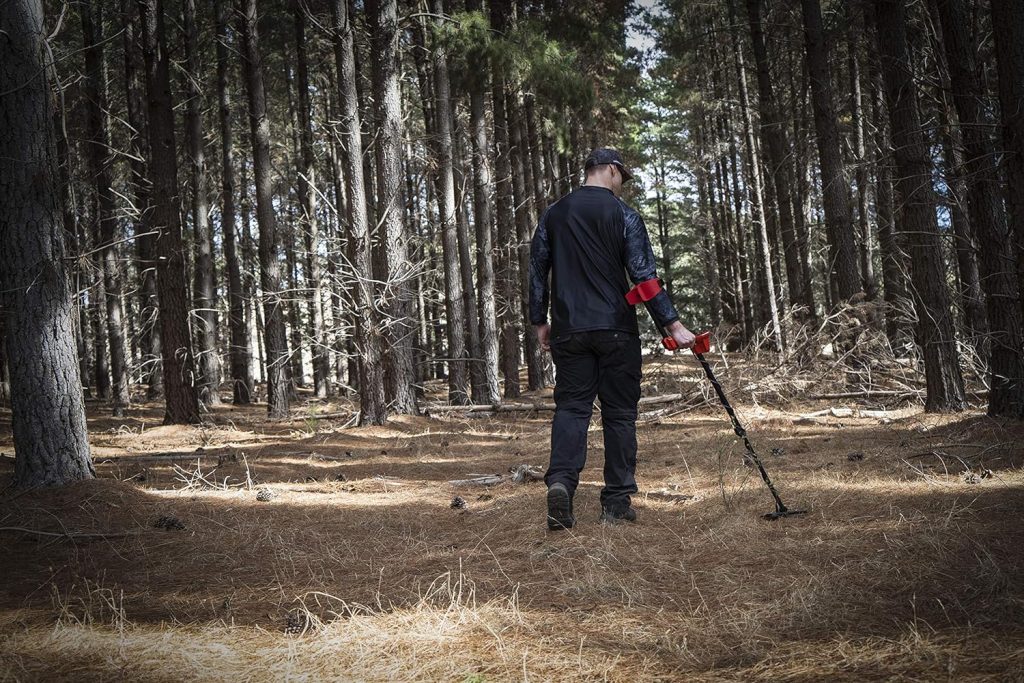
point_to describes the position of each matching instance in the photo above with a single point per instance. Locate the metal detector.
(701, 345)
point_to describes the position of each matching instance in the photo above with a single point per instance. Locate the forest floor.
(908, 566)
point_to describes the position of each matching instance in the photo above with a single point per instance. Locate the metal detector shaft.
(702, 345)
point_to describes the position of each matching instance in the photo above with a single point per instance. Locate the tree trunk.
(706, 225)
(461, 167)
(1008, 33)
(777, 150)
(240, 357)
(766, 278)
(398, 306)
(524, 229)
(454, 306)
(1006, 367)
(289, 244)
(945, 388)
(308, 218)
(866, 251)
(5, 373)
(894, 262)
(47, 413)
(368, 341)
(483, 219)
(149, 330)
(506, 258)
(204, 292)
(181, 404)
(100, 162)
(275, 334)
(835, 186)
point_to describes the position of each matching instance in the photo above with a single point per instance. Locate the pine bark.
(777, 151)
(307, 205)
(834, 182)
(1008, 34)
(894, 262)
(149, 329)
(368, 340)
(869, 283)
(524, 229)
(483, 219)
(944, 383)
(454, 306)
(765, 275)
(101, 161)
(181, 403)
(400, 275)
(203, 288)
(239, 355)
(275, 339)
(508, 315)
(1006, 365)
(48, 412)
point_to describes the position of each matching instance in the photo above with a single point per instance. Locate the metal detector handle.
(701, 344)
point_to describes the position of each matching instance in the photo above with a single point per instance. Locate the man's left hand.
(544, 336)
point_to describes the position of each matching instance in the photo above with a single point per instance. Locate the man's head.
(605, 167)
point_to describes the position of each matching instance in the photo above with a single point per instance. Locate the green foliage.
(525, 57)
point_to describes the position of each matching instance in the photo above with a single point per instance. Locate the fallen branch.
(530, 407)
(519, 474)
(846, 412)
(156, 458)
(867, 393)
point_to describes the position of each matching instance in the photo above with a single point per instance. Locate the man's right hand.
(683, 336)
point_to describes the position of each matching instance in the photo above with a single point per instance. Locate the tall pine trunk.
(765, 275)
(181, 403)
(204, 292)
(307, 206)
(149, 330)
(400, 330)
(1008, 32)
(101, 160)
(453, 287)
(835, 186)
(240, 355)
(483, 218)
(866, 250)
(1006, 367)
(777, 151)
(368, 340)
(47, 411)
(508, 311)
(945, 388)
(274, 333)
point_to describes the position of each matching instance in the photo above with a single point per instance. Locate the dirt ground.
(908, 565)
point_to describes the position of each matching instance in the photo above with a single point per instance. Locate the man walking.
(589, 241)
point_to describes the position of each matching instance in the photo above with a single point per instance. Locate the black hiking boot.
(559, 508)
(618, 515)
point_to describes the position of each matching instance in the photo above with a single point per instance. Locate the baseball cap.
(607, 155)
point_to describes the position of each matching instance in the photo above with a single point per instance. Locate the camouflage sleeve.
(640, 265)
(540, 266)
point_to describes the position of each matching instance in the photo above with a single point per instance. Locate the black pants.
(602, 364)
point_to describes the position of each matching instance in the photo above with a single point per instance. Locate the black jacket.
(589, 240)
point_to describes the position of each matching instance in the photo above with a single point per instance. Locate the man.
(589, 241)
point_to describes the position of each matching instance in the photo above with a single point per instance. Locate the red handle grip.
(702, 343)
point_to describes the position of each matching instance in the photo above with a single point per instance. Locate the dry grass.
(359, 569)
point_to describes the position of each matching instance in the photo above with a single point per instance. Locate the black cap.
(607, 155)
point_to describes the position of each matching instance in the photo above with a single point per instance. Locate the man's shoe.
(618, 515)
(559, 508)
